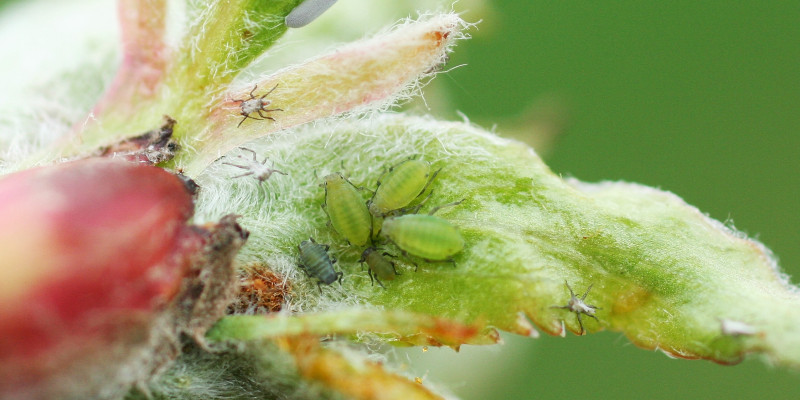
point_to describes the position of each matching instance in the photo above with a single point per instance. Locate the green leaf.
(225, 36)
(662, 272)
(366, 75)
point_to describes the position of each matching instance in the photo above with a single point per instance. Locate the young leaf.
(402, 327)
(662, 272)
(369, 74)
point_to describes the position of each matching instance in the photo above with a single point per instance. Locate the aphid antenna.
(431, 180)
(455, 203)
(265, 94)
(412, 209)
(253, 152)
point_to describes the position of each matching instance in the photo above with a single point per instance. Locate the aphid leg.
(305, 271)
(408, 258)
(339, 276)
(252, 96)
(244, 174)
(435, 209)
(255, 157)
(450, 260)
(263, 117)
(394, 267)
(580, 323)
(272, 165)
(376, 278)
(246, 116)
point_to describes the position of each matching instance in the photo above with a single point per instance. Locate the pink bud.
(91, 252)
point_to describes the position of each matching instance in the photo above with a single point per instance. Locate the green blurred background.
(698, 98)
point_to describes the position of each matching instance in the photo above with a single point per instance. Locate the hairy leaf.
(662, 272)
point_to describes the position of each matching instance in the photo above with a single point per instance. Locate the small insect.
(306, 12)
(316, 263)
(256, 105)
(258, 169)
(347, 210)
(425, 236)
(400, 186)
(578, 306)
(379, 266)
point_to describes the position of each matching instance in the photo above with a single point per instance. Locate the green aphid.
(347, 210)
(316, 263)
(425, 236)
(400, 186)
(379, 266)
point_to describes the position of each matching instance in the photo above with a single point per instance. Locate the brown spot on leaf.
(630, 300)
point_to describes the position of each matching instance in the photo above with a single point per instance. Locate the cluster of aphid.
(388, 217)
(419, 235)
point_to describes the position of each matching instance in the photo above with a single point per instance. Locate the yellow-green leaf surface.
(391, 326)
(662, 272)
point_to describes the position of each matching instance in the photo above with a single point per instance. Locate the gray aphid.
(306, 12)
